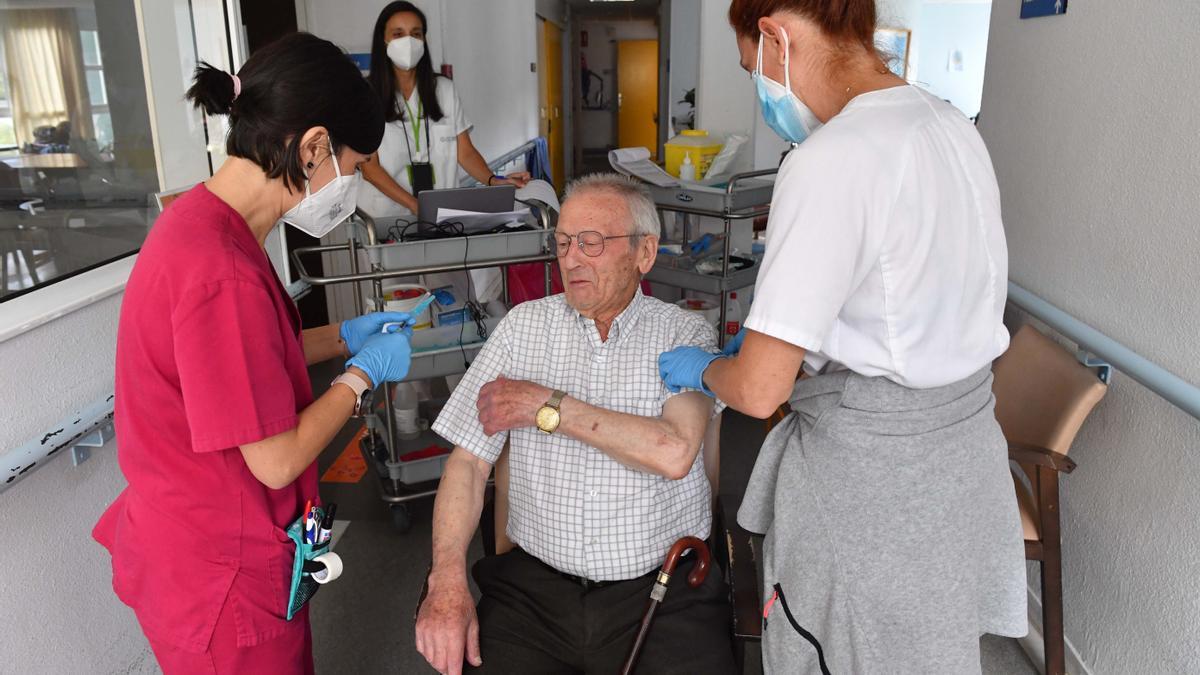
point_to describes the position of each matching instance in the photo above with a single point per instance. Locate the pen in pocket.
(327, 524)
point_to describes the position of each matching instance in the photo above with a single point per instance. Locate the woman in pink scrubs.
(218, 428)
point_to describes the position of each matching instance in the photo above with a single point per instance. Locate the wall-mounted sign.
(1034, 8)
(363, 61)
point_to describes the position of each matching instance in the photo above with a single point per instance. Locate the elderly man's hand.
(447, 627)
(510, 404)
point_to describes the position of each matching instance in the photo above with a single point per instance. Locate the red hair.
(841, 20)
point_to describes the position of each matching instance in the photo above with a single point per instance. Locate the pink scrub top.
(209, 357)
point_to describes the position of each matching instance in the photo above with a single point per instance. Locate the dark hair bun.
(211, 90)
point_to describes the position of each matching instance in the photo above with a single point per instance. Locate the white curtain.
(46, 80)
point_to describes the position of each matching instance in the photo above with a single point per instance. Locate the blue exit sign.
(1034, 8)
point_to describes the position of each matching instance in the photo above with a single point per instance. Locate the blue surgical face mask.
(783, 111)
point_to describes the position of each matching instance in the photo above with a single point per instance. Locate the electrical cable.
(450, 229)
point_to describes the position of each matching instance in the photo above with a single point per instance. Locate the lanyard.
(416, 126)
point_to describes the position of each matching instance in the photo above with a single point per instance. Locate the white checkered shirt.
(571, 505)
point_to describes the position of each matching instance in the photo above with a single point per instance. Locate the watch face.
(547, 418)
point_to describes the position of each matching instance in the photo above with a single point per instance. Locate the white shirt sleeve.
(823, 236)
(452, 105)
(459, 420)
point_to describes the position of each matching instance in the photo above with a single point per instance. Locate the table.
(56, 160)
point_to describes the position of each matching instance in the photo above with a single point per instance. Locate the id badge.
(420, 177)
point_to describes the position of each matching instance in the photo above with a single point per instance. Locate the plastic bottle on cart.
(733, 316)
(687, 170)
(404, 409)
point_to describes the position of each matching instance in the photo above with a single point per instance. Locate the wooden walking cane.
(659, 590)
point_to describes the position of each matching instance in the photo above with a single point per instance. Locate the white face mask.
(317, 214)
(405, 52)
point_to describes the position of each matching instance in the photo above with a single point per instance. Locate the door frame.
(565, 85)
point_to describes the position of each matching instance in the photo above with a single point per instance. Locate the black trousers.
(532, 621)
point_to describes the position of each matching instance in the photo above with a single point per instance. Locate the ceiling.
(636, 9)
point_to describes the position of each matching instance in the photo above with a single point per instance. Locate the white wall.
(953, 27)
(491, 46)
(60, 613)
(1091, 121)
(725, 96)
(685, 53)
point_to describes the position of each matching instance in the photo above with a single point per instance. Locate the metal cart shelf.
(746, 196)
(390, 261)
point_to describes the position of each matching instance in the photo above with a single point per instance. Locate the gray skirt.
(893, 539)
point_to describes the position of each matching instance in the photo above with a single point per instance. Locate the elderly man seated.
(606, 471)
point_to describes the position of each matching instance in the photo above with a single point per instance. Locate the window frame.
(179, 144)
(103, 108)
(6, 101)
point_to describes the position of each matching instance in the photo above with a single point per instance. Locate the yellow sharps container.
(695, 142)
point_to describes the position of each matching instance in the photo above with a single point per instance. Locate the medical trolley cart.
(746, 196)
(402, 482)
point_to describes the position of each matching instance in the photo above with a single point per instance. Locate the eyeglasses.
(590, 242)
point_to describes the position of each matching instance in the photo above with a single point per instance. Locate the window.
(97, 94)
(77, 167)
(8, 135)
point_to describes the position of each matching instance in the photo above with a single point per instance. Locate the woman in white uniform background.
(892, 533)
(427, 137)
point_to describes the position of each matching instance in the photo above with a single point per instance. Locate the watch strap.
(356, 383)
(556, 399)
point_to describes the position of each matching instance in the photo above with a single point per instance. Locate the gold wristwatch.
(548, 417)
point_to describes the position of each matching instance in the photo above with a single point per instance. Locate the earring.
(309, 165)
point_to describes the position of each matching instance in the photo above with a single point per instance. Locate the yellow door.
(637, 94)
(552, 112)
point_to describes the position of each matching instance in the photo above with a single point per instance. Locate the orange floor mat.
(350, 466)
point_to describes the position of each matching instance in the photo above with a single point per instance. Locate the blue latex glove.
(384, 357)
(700, 245)
(684, 367)
(354, 332)
(732, 347)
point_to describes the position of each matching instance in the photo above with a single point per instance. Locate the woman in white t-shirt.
(427, 137)
(892, 533)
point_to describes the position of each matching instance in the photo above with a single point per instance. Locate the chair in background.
(21, 238)
(164, 198)
(1043, 395)
(732, 547)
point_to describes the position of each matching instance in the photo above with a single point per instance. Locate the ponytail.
(212, 90)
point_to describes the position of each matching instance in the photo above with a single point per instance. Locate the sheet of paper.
(473, 221)
(636, 162)
(541, 191)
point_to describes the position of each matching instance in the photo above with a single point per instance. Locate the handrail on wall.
(500, 161)
(1179, 392)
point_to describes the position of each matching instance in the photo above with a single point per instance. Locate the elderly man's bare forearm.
(456, 512)
(665, 446)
